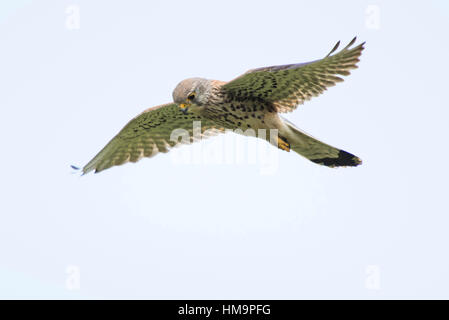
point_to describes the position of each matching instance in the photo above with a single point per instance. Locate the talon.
(283, 144)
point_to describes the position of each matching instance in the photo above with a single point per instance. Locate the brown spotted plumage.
(148, 134)
(251, 101)
(289, 85)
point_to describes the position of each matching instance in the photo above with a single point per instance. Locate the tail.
(315, 150)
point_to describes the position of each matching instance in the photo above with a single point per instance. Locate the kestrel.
(250, 101)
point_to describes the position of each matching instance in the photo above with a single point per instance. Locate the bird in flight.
(252, 101)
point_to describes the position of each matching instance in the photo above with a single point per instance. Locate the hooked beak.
(184, 107)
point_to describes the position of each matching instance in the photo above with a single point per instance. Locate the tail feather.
(317, 151)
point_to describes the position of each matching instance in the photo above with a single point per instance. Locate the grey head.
(192, 92)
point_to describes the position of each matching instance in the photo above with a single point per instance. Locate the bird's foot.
(283, 144)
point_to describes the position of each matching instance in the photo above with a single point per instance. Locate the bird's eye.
(191, 96)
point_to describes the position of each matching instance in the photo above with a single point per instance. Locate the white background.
(160, 230)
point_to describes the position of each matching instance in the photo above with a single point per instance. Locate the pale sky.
(163, 229)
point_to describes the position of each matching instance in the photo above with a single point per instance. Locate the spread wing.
(287, 86)
(148, 134)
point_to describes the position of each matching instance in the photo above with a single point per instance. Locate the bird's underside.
(252, 101)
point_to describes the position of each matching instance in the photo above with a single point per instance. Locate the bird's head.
(192, 94)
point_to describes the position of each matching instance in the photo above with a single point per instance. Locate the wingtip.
(82, 171)
(347, 47)
(77, 169)
(334, 48)
(351, 43)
